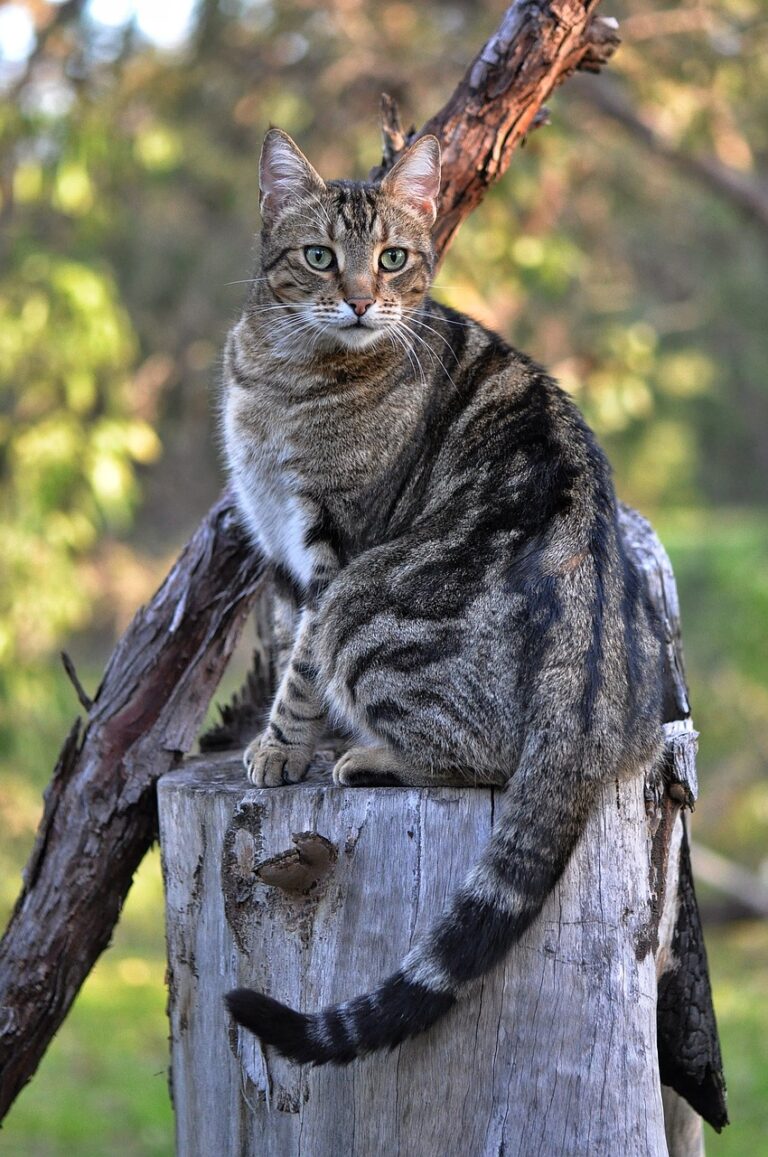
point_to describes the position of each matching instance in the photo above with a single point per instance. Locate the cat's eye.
(319, 257)
(392, 259)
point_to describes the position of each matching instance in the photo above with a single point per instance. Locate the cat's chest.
(277, 515)
(269, 494)
(309, 469)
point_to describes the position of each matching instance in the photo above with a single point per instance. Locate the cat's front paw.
(271, 764)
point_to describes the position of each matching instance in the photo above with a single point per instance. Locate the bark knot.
(300, 868)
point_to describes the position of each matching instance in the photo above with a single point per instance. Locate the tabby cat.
(448, 524)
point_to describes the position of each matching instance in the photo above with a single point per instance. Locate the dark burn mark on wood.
(242, 848)
(689, 1050)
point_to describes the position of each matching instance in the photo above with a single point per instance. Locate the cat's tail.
(542, 818)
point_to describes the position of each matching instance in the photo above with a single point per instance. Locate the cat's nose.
(360, 304)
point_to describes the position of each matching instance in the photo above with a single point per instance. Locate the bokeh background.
(627, 249)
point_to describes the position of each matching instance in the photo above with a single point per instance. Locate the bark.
(497, 103)
(100, 813)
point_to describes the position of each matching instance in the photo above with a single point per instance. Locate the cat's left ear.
(415, 178)
(285, 174)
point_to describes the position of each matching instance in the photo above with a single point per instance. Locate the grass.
(738, 959)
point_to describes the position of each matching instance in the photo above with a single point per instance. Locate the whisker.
(429, 348)
(416, 365)
(278, 305)
(431, 329)
(444, 320)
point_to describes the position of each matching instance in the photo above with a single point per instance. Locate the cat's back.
(505, 429)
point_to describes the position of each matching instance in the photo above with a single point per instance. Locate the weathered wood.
(555, 1052)
(688, 1046)
(100, 809)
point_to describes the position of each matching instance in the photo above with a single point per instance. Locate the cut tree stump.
(596, 1035)
(553, 1053)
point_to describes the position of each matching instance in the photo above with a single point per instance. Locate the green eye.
(393, 259)
(319, 256)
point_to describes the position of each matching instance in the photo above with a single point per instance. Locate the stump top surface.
(224, 772)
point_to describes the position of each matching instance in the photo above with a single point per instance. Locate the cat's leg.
(415, 687)
(281, 754)
(380, 765)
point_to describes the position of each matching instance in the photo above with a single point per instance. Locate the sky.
(163, 22)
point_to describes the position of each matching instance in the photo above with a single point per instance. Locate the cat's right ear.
(285, 175)
(415, 178)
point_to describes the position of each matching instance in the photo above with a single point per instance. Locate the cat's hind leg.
(377, 766)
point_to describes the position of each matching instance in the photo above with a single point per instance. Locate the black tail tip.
(257, 1012)
(273, 1023)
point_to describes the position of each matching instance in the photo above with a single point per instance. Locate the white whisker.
(404, 325)
(401, 341)
(431, 329)
(247, 281)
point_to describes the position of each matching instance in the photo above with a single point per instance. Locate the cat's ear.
(285, 174)
(415, 178)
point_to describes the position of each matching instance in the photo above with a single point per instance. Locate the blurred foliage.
(128, 204)
(129, 201)
(129, 195)
(104, 1081)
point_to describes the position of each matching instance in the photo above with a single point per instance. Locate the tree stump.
(314, 892)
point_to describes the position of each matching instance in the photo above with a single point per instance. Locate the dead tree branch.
(100, 812)
(536, 47)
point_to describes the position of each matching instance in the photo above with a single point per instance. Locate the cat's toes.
(270, 764)
(365, 767)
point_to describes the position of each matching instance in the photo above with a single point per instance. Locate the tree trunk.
(552, 1053)
(563, 1049)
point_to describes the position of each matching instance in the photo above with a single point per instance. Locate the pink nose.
(360, 304)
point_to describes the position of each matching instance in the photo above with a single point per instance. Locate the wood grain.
(555, 1052)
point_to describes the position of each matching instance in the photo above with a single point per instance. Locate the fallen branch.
(100, 810)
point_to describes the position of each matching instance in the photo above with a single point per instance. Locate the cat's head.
(348, 259)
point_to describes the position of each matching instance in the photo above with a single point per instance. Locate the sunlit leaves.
(70, 442)
(73, 191)
(158, 148)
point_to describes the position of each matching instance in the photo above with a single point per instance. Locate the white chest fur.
(267, 495)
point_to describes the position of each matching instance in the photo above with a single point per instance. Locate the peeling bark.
(100, 813)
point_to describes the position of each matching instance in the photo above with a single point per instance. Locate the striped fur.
(448, 524)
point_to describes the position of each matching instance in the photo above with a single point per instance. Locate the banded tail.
(540, 823)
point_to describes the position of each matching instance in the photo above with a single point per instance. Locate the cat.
(448, 523)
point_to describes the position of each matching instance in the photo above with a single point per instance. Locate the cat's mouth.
(359, 333)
